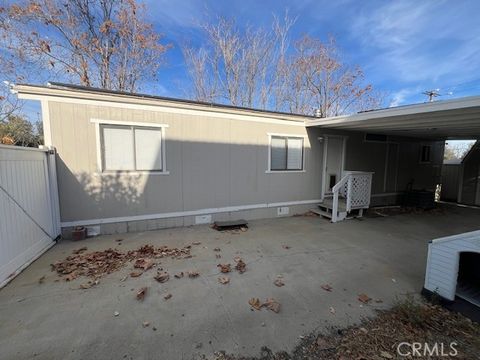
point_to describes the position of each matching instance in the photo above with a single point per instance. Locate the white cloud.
(422, 41)
(404, 96)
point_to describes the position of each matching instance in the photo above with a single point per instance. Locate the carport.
(452, 267)
(401, 146)
(438, 120)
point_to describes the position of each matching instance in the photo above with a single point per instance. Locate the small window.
(286, 153)
(131, 148)
(425, 153)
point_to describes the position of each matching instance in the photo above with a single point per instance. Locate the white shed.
(453, 267)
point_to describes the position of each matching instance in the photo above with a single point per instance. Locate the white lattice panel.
(361, 187)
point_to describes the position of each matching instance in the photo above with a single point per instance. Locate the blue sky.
(404, 47)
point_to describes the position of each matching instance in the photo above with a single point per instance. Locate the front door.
(333, 166)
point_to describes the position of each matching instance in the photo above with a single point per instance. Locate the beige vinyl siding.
(212, 162)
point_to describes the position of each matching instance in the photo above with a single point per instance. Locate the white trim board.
(127, 123)
(186, 213)
(262, 118)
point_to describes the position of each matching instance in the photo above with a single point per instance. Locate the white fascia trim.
(47, 129)
(185, 213)
(471, 101)
(262, 118)
(127, 123)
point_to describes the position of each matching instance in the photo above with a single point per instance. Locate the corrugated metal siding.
(443, 262)
(27, 224)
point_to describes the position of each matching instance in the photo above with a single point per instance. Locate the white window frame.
(297, 136)
(420, 161)
(98, 133)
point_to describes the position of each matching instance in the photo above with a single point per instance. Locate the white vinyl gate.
(29, 212)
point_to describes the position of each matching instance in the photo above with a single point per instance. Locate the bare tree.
(103, 43)
(237, 67)
(320, 81)
(9, 103)
(257, 68)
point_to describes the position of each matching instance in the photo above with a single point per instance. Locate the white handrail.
(336, 188)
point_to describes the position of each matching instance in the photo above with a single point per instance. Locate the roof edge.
(463, 102)
(60, 90)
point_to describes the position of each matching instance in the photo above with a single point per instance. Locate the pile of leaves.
(99, 263)
(94, 264)
(378, 338)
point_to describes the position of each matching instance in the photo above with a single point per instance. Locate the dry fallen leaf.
(255, 303)
(168, 296)
(272, 304)
(279, 282)
(364, 298)
(144, 264)
(241, 266)
(146, 324)
(162, 276)
(223, 280)
(326, 287)
(179, 275)
(332, 309)
(193, 274)
(286, 247)
(216, 249)
(141, 293)
(136, 273)
(225, 268)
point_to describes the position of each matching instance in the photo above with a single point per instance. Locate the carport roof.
(438, 120)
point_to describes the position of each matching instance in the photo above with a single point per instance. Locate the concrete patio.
(383, 257)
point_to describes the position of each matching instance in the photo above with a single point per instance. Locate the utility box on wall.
(283, 211)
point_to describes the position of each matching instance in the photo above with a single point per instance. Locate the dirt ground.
(388, 335)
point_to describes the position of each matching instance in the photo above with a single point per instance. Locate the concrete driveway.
(382, 257)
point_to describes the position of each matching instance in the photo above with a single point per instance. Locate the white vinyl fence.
(29, 211)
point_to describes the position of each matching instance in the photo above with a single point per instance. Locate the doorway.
(468, 281)
(333, 161)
